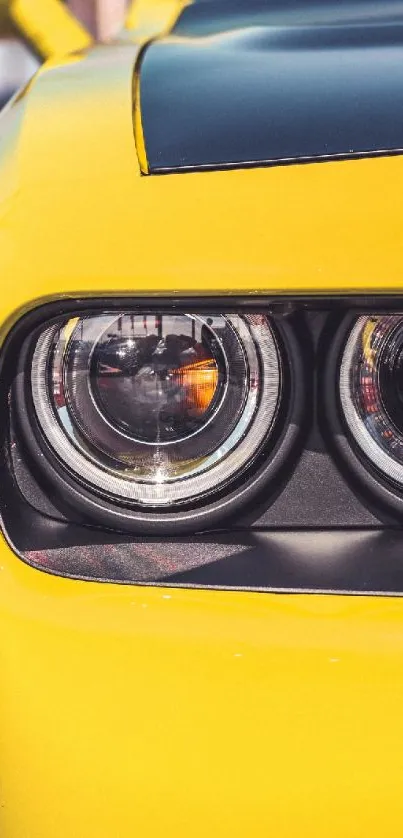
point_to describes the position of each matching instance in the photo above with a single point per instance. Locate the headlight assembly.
(155, 417)
(184, 442)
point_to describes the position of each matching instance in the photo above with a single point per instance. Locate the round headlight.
(157, 410)
(371, 391)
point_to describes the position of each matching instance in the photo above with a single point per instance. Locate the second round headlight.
(371, 391)
(157, 409)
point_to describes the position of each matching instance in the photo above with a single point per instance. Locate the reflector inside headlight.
(371, 390)
(156, 409)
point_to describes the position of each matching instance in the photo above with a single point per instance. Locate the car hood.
(79, 219)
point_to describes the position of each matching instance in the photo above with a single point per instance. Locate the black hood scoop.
(251, 83)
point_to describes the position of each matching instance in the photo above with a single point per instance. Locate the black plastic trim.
(354, 561)
(274, 162)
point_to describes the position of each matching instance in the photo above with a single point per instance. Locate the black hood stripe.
(264, 87)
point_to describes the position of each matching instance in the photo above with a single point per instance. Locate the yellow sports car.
(201, 309)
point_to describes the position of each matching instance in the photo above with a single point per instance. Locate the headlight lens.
(371, 391)
(156, 409)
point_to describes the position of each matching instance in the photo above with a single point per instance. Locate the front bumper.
(150, 711)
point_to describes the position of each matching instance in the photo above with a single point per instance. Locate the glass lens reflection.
(157, 408)
(157, 377)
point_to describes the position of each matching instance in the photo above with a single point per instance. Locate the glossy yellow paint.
(49, 26)
(133, 711)
(77, 217)
(144, 711)
(153, 17)
(138, 126)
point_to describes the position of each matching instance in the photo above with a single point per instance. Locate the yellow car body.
(156, 711)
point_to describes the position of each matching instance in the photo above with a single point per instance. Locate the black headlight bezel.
(262, 479)
(320, 528)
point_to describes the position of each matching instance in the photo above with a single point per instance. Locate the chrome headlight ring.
(233, 462)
